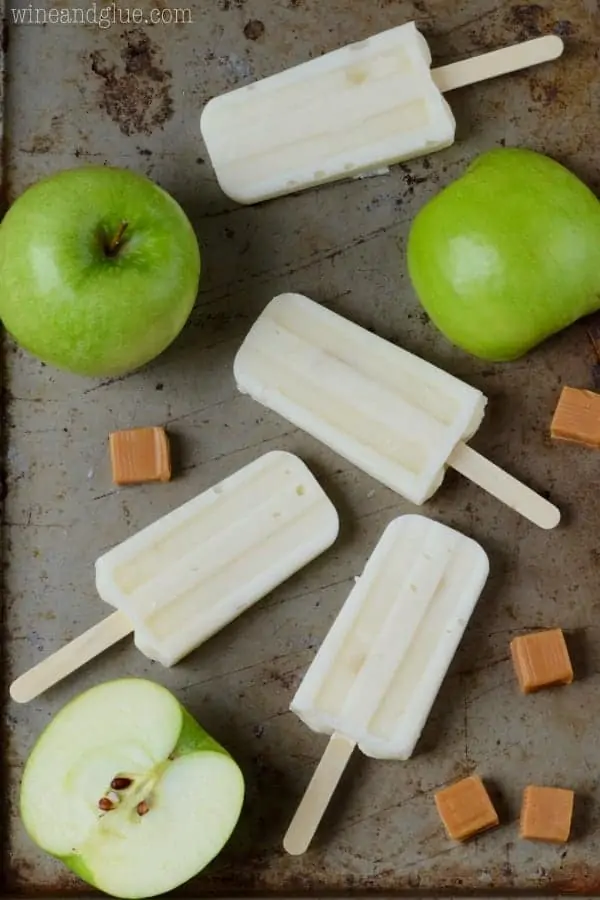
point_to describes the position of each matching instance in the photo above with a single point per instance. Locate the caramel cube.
(541, 660)
(546, 814)
(577, 417)
(139, 455)
(466, 809)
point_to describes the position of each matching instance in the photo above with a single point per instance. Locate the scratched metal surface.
(132, 96)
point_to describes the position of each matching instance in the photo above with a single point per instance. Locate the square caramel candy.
(546, 814)
(466, 809)
(577, 417)
(139, 455)
(541, 660)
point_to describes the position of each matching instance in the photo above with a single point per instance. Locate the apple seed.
(121, 783)
(142, 808)
(105, 804)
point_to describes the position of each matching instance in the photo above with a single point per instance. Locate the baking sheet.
(132, 96)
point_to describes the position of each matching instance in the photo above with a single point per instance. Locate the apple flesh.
(129, 791)
(99, 270)
(508, 254)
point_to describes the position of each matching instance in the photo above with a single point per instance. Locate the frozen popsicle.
(377, 673)
(184, 577)
(349, 112)
(395, 416)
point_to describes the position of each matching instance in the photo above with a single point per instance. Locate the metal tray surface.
(131, 95)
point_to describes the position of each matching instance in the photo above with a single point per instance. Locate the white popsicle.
(395, 416)
(377, 673)
(349, 112)
(187, 575)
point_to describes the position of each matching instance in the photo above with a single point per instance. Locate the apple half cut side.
(128, 790)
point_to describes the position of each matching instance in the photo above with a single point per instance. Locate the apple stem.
(115, 241)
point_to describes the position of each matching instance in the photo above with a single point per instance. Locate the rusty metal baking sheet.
(131, 95)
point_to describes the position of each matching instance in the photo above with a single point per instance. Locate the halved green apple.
(128, 790)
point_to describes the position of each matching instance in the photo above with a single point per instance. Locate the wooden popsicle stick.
(70, 657)
(318, 794)
(500, 484)
(498, 62)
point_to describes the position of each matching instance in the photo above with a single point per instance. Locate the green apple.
(507, 254)
(99, 270)
(129, 791)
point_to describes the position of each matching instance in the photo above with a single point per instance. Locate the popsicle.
(349, 112)
(377, 673)
(184, 577)
(395, 416)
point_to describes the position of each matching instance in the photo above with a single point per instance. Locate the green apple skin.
(508, 254)
(66, 300)
(106, 859)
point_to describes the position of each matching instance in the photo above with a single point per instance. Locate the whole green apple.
(99, 270)
(126, 789)
(507, 254)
